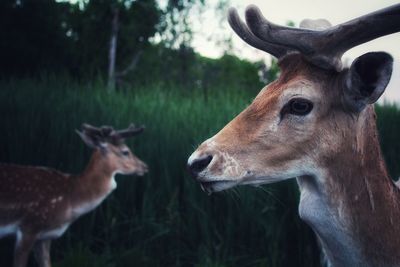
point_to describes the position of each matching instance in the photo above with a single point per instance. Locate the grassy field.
(163, 218)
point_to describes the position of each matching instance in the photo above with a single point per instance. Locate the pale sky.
(281, 11)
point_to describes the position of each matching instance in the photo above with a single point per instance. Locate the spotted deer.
(38, 204)
(316, 123)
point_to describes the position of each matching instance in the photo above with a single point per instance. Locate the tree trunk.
(113, 50)
(131, 66)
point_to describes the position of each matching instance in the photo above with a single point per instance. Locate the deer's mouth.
(221, 185)
(216, 186)
(141, 172)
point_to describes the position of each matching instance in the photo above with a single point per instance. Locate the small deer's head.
(310, 114)
(110, 146)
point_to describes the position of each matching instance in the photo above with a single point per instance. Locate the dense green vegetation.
(162, 219)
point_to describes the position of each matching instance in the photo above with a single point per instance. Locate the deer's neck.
(93, 185)
(353, 205)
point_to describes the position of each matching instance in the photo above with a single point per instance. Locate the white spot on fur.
(57, 199)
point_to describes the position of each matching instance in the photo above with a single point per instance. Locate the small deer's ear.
(367, 79)
(88, 140)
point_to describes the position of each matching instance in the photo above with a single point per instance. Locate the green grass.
(162, 219)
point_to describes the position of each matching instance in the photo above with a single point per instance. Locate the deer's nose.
(197, 165)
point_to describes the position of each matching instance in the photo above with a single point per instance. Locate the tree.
(177, 31)
(111, 34)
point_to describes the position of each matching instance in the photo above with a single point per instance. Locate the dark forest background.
(118, 61)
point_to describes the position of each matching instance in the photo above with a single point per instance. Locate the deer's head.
(311, 113)
(110, 146)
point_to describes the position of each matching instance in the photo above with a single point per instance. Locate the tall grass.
(162, 219)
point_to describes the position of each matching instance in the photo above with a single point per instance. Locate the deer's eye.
(299, 106)
(125, 153)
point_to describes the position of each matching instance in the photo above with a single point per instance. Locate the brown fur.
(345, 144)
(30, 199)
(358, 178)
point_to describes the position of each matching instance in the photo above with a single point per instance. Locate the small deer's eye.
(125, 153)
(299, 106)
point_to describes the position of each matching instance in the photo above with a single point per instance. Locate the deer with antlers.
(316, 123)
(38, 204)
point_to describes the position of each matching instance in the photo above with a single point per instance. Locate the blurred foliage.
(73, 39)
(178, 33)
(200, 74)
(55, 36)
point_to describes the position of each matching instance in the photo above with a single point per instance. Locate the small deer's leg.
(42, 253)
(23, 246)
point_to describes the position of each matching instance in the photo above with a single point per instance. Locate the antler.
(103, 131)
(324, 48)
(132, 130)
(91, 130)
(246, 35)
(108, 134)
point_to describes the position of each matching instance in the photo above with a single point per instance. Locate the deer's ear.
(91, 141)
(88, 140)
(367, 79)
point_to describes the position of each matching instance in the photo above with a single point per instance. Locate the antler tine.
(132, 130)
(89, 129)
(363, 29)
(305, 41)
(246, 35)
(277, 34)
(325, 48)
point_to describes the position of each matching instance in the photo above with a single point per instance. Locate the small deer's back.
(26, 190)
